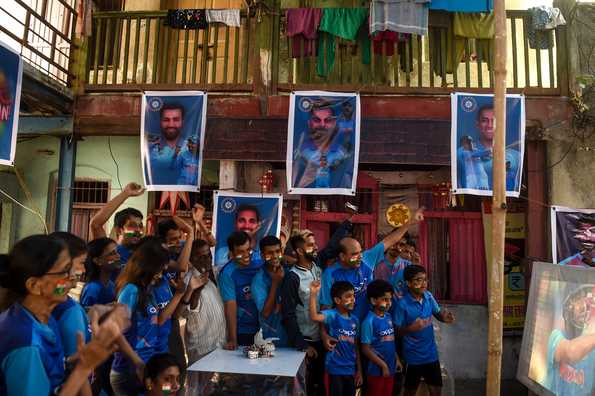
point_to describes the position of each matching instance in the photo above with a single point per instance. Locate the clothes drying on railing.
(480, 27)
(401, 16)
(302, 28)
(186, 19)
(227, 17)
(540, 26)
(463, 5)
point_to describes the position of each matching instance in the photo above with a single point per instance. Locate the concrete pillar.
(228, 175)
(65, 184)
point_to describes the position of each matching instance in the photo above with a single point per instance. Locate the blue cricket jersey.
(379, 333)
(271, 326)
(235, 284)
(163, 295)
(188, 165)
(165, 168)
(72, 319)
(360, 278)
(342, 360)
(392, 273)
(569, 379)
(95, 292)
(143, 334)
(125, 255)
(418, 347)
(31, 354)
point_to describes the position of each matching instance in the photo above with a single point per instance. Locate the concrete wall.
(463, 345)
(93, 160)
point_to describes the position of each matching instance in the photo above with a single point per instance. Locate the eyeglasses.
(67, 273)
(419, 281)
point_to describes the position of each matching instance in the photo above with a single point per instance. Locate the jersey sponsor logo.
(386, 332)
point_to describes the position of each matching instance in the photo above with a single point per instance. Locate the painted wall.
(93, 160)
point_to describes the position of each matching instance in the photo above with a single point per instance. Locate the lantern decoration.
(441, 195)
(266, 182)
(174, 198)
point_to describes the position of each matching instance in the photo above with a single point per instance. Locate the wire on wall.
(109, 145)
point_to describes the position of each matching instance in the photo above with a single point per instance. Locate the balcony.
(131, 51)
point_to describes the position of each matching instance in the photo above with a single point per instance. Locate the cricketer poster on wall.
(573, 236)
(323, 138)
(11, 75)
(172, 139)
(558, 350)
(258, 215)
(472, 139)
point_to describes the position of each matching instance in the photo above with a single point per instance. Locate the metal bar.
(444, 59)
(290, 61)
(164, 62)
(431, 45)
(136, 45)
(205, 56)
(247, 50)
(479, 68)
(550, 56)
(301, 70)
(226, 54)
(491, 65)
(156, 51)
(455, 61)
(526, 48)
(420, 70)
(176, 50)
(515, 77)
(195, 56)
(467, 64)
(396, 63)
(96, 54)
(215, 48)
(126, 50)
(236, 54)
(108, 25)
(116, 62)
(146, 49)
(186, 33)
(538, 58)
(43, 20)
(407, 58)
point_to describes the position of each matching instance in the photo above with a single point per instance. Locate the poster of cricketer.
(573, 236)
(172, 139)
(472, 140)
(258, 215)
(11, 75)
(558, 350)
(323, 137)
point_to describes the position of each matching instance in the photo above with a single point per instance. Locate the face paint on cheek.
(166, 389)
(382, 308)
(60, 289)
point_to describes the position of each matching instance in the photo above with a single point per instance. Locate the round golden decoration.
(398, 215)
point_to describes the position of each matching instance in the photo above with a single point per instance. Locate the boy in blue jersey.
(343, 365)
(235, 281)
(413, 316)
(187, 163)
(378, 340)
(356, 267)
(266, 290)
(571, 352)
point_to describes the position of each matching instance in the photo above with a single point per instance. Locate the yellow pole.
(496, 266)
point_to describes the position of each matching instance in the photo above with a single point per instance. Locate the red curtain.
(467, 261)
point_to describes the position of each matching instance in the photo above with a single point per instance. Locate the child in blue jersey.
(266, 290)
(235, 282)
(378, 340)
(413, 316)
(343, 366)
(103, 261)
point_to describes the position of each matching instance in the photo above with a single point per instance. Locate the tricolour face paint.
(166, 389)
(61, 287)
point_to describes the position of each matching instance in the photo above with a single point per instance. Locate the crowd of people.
(363, 317)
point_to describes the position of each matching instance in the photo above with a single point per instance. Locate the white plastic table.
(285, 363)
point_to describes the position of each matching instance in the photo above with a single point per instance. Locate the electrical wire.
(109, 145)
(45, 226)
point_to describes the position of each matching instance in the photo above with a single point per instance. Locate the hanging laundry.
(227, 17)
(302, 27)
(480, 27)
(463, 5)
(543, 20)
(403, 16)
(186, 19)
(344, 23)
(441, 41)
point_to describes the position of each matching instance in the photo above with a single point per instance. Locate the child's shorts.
(430, 372)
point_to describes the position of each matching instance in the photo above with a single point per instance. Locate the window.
(88, 196)
(452, 249)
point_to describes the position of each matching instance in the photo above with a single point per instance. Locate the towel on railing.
(186, 19)
(463, 5)
(402, 16)
(227, 17)
(345, 23)
(480, 27)
(543, 20)
(302, 27)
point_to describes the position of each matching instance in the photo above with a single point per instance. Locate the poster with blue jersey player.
(558, 349)
(258, 215)
(172, 139)
(472, 138)
(11, 76)
(573, 236)
(323, 139)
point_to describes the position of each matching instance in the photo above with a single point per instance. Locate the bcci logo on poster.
(468, 104)
(155, 104)
(228, 205)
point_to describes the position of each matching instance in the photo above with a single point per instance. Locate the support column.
(65, 184)
(228, 175)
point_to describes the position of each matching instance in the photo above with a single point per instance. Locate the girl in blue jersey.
(134, 287)
(103, 261)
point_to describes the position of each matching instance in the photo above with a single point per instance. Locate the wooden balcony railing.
(42, 32)
(135, 50)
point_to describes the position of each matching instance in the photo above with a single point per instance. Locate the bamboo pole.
(496, 267)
